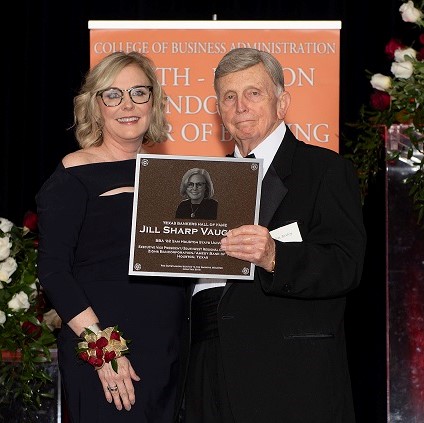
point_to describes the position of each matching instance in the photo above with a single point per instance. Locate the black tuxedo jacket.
(282, 335)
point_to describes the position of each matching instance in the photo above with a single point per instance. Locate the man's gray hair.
(243, 58)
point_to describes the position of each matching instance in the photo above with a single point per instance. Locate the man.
(273, 350)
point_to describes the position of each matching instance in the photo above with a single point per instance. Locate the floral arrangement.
(26, 324)
(102, 347)
(397, 99)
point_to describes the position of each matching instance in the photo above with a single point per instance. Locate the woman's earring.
(99, 133)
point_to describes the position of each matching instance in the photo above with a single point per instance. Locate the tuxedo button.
(286, 287)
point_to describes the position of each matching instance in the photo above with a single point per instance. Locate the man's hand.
(251, 243)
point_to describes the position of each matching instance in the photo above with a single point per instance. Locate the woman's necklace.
(193, 212)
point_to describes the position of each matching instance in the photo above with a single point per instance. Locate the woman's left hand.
(118, 387)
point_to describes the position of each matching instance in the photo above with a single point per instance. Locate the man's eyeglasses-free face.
(192, 185)
(139, 94)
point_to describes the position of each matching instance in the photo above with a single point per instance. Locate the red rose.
(31, 221)
(115, 335)
(392, 46)
(380, 100)
(92, 345)
(109, 356)
(94, 361)
(101, 342)
(83, 355)
(421, 38)
(99, 362)
(31, 330)
(420, 54)
(99, 353)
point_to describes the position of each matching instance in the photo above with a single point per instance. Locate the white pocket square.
(287, 233)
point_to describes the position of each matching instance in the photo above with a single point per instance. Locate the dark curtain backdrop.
(45, 55)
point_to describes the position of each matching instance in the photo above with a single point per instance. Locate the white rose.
(402, 70)
(2, 317)
(410, 13)
(381, 82)
(400, 54)
(7, 268)
(19, 301)
(5, 225)
(5, 246)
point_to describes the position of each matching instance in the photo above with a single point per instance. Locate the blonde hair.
(88, 121)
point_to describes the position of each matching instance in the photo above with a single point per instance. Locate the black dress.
(206, 209)
(83, 261)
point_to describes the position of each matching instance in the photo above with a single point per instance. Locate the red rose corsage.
(102, 347)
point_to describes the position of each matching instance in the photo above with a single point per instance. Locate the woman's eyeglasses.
(139, 94)
(196, 185)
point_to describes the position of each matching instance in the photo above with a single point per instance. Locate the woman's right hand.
(124, 394)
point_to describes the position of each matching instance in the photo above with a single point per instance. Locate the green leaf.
(114, 364)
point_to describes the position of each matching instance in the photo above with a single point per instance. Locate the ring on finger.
(112, 388)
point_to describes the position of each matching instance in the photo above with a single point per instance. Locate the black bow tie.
(249, 156)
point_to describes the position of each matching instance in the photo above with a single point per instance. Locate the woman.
(197, 189)
(85, 215)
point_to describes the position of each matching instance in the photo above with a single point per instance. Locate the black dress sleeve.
(61, 205)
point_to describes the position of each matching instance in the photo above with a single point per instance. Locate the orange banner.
(186, 54)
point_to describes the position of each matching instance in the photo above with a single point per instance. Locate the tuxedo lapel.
(272, 193)
(273, 188)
